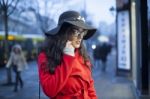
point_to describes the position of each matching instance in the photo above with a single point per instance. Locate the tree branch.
(3, 3)
(6, 3)
(0, 4)
(10, 4)
(14, 8)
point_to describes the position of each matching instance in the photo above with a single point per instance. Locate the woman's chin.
(76, 46)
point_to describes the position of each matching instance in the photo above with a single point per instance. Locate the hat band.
(79, 18)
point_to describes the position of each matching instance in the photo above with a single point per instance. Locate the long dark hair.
(54, 45)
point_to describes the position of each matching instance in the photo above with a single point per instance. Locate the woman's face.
(77, 36)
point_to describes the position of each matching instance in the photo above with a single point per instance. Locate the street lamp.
(93, 46)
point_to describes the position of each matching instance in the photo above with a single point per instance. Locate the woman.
(64, 66)
(18, 62)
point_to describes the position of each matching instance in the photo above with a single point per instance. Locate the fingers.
(69, 44)
(69, 49)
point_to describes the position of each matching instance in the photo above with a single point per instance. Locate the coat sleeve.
(91, 90)
(9, 61)
(53, 83)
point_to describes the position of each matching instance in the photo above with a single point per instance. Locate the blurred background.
(119, 50)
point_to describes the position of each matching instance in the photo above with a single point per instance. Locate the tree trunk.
(9, 79)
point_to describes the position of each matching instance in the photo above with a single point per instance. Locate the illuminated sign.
(123, 40)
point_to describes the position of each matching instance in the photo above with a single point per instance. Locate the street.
(107, 84)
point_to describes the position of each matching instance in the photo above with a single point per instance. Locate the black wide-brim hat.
(72, 18)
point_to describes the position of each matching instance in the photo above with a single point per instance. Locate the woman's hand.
(69, 49)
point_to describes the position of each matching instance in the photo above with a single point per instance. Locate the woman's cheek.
(75, 45)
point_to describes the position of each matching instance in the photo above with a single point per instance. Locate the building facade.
(133, 20)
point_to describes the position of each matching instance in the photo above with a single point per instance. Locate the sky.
(98, 10)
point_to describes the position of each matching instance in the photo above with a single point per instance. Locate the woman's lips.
(78, 42)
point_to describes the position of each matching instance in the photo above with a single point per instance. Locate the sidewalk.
(107, 85)
(31, 85)
(110, 86)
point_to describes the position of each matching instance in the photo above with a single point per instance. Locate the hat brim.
(53, 31)
(90, 32)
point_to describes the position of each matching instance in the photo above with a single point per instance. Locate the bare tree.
(46, 21)
(7, 8)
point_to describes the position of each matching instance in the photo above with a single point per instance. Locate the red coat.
(72, 80)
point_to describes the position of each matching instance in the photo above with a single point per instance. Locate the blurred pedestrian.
(64, 66)
(18, 62)
(101, 53)
(96, 57)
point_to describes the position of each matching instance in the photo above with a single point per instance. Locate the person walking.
(18, 62)
(103, 50)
